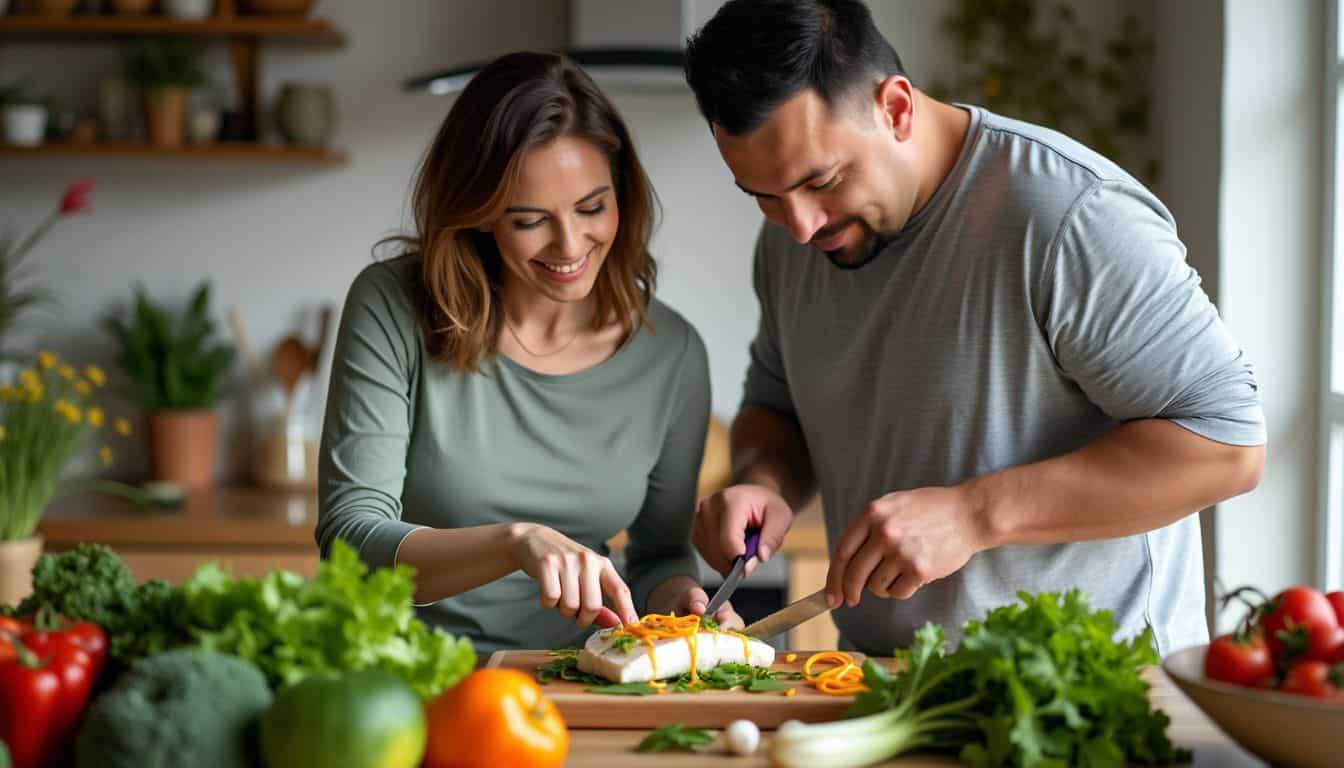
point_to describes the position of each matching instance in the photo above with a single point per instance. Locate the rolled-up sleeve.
(1128, 321)
(660, 537)
(366, 431)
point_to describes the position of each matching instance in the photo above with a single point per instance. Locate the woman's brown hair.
(517, 102)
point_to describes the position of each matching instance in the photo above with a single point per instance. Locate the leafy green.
(91, 583)
(173, 362)
(624, 643)
(344, 619)
(1039, 683)
(564, 665)
(675, 736)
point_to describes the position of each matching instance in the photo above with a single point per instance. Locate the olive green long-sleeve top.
(408, 442)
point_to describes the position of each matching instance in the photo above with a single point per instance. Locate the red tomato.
(1315, 679)
(1336, 599)
(1239, 659)
(1299, 623)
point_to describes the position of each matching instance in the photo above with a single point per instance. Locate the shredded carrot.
(791, 657)
(791, 692)
(842, 677)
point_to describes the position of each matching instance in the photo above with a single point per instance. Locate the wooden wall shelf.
(92, 28)
(220, 151)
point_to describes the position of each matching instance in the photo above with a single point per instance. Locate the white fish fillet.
(673, 656)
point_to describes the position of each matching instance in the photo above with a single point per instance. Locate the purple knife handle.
(753, 539)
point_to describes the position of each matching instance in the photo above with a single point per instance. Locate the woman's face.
(559, 225)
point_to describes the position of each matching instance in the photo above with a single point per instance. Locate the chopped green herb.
(623, 689)
(564, 665)
(709, 624)
(624, 643)
(675, 736)
(765, 684)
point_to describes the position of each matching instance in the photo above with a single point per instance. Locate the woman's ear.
(896, 102)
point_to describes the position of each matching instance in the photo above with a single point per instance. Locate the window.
(1330, 542)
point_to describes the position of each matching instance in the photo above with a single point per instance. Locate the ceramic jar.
(306, 113)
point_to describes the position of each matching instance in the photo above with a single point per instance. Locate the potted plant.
(36, 442)
(49, 415)
(176, 367)
(24, 115)
(164, 70)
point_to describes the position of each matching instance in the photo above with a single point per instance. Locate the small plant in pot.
(176, 368)
(165, 71)
(24, 114)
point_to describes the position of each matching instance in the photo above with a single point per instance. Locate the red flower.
(76, 197)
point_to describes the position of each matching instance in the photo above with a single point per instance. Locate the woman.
(507, 395)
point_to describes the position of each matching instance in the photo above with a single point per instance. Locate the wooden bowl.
(277, 7)
(1286, 730)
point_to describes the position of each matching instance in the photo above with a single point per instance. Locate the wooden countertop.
(224, 516)
(242, 515)
(1189, 728)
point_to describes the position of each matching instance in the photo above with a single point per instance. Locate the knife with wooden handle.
(789, 616)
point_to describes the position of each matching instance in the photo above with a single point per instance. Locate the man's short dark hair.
(756, 54)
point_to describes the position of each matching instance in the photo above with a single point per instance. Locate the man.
(978, 337)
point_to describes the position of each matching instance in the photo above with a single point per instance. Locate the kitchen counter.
(1189, 728)
(254, 530)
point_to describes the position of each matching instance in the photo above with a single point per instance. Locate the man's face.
(835, 178)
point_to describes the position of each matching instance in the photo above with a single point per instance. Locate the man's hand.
(721, 522)
(901, 542)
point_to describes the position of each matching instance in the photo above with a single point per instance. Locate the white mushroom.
(742, 737)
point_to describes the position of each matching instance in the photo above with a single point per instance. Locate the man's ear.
(896, 103)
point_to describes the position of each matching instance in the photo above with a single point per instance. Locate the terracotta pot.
(132, 7)
(182, 447)
(166, 116)
(16, 568)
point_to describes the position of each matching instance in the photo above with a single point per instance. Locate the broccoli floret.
(181, 708)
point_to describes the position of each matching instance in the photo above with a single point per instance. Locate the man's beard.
(859, 253)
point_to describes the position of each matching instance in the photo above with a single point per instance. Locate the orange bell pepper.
(495, 717)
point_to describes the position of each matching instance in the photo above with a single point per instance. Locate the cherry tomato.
(1299, 623)
(1239, 659)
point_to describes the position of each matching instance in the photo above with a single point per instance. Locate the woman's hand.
(682, 595)
(573, 578)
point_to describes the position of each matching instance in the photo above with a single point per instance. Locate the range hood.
(631, 45)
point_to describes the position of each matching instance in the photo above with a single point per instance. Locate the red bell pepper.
(46, 630)
(42, 694)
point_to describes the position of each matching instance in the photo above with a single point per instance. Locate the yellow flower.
(35, 394)
(67, 373)
(96, 375)
(29, 379)
(95, 417)
(8, 393)
(105, 453)
(83, 387)
(47, 360)
(70, 412)
(123, 427)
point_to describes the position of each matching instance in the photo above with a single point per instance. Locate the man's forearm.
(768, 449)
(1137, 477)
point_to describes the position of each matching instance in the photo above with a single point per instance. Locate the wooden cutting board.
(704, 709)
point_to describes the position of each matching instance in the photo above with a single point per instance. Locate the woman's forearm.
(450, 561)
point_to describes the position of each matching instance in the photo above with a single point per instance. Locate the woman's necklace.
(529, 351)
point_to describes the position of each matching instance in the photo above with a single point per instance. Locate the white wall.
(1269, 274)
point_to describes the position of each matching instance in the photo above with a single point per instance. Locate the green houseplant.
(176, 368)
(164, 70)
(1037, 60)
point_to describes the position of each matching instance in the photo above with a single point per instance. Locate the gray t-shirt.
(1037, 300)
(408, 442)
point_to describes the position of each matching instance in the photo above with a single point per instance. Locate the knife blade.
(789, 616)
(735, 576)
